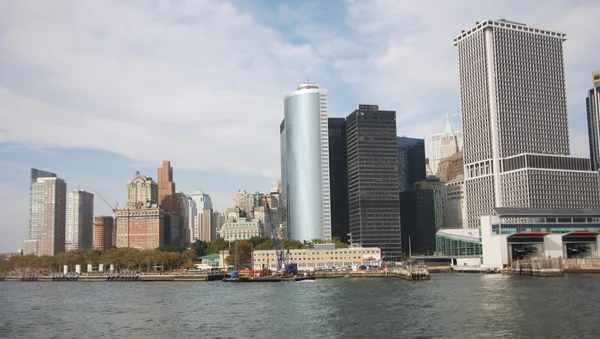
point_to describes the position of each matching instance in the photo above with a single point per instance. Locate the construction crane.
(275, 237)
(115, 216)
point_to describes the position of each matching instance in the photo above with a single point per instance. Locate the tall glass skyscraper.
(593, 114)
(305, 164)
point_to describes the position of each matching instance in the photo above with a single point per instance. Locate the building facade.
(444, 145)
(508, 121)
(47, 215)
(321, 257)
(141, 224)
(103, 233)
(373, 196)
(452, 167)
(305, 164)
(166, 188)
(241, 229)
(422, 216)
(203, 203)
(592, 103)
(455, 210)
(79, 220)
(338, 177)
(411, 162)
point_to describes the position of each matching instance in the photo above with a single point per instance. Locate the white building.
(514, 114)
(202, 223)
(190, 211)
(79, 220)
(241, 229)
(455, 210)
(305, 164)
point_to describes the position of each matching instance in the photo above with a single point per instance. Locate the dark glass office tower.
(373, 197)
(338, 178)
(411, 162)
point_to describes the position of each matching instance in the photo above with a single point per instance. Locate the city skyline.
(83, 161)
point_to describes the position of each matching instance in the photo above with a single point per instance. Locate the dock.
(539, 267)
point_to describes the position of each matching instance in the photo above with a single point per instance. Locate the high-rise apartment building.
(338, 177)
(47, 214)
(445, 144)
(411, 162)
(373, 195)
(80, 220)
(103, 229)
(305, 164)
(514, 116)
(141, 224)
(592, 103)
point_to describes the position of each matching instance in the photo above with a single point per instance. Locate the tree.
(170, 248)
(200, 247)
(267, 245)
(255, 241)
(292, 245)
(216, 246)
(244, 254)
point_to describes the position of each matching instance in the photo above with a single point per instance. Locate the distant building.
(444, 145)
(373, 196)
(201, 222)
(166, 188)
(79, 220)
(321, 257)
(189, 211)
(103, 233)
(451, 167)
(455, 210)
(47, 214)
(141, 224)
(305, 164)
(174, 233)
(422, 216)
(592, 103)
(338, 177)
(241, 229)
(411, 162)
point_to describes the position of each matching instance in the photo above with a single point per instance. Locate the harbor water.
(447, 306)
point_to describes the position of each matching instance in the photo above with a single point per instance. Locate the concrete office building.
(373, 196)
(411, 162)
(79, 220)
(516, 138)
(103, 233)
(47, 214)
(305, 164)
(338, 177)
(455, 210)
(592, 103)
(188, 206)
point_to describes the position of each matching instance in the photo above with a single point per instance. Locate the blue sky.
(97, 90)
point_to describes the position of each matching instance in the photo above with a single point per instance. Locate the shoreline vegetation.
(164, 258)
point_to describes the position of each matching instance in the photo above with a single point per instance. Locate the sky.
(96, 90)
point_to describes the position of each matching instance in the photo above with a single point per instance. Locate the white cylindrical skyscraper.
(305, 164)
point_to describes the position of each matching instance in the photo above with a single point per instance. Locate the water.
(448, 306)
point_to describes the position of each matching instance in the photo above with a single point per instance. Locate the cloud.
(199, 83)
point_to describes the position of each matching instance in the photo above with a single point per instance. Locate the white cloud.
(200, 83)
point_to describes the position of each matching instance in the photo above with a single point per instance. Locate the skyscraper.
(166, 188)
(47, 215)
(444, 145)
(514, 115)
(80, 220)
(592, 103)
(305, 163)
(103, 229)
(338, 176)
(203, 218)
(411, 162)
(373, 195)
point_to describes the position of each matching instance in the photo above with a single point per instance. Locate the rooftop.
(510, 25)
(546, 212)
